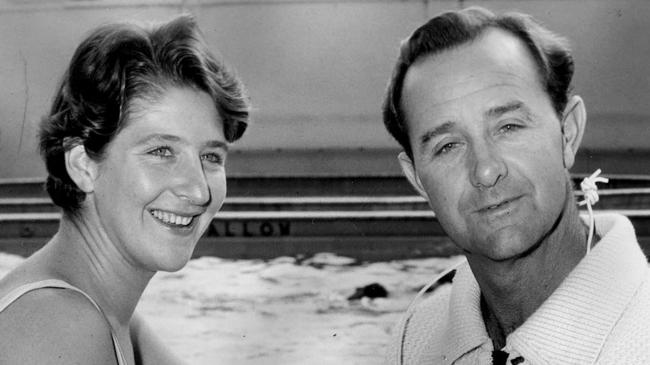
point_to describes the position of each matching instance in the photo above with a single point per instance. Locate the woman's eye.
(161, 152)
(212, 158)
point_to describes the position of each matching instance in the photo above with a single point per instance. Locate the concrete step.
(247, 186)
(262, 203)
(629, 198)
(367, 235)
(306, 186)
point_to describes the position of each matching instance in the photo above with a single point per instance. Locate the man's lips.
(494, 206)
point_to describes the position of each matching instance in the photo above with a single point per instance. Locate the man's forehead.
(495, 50)
(495, 59)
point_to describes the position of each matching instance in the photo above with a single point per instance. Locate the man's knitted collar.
(572, 324)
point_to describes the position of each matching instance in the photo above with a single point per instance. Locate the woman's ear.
(573, 128)
(408, 168)
(81, 168)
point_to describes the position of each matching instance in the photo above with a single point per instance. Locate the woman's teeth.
(171, 218)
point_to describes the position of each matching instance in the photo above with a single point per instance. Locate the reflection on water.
(284, 311)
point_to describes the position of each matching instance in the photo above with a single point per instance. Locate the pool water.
(283, 311)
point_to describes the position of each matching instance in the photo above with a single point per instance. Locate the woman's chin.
(173, 265)
(171, 261)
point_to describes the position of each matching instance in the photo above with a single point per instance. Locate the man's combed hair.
(452, 29)
(115, 66)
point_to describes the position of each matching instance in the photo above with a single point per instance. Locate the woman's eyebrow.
(172, 138)
(159, 137)
(217, 144)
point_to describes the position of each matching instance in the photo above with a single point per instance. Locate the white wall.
(316, 70)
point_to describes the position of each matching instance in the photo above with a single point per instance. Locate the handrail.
(40, 180)
(309, 215)
(260, 200)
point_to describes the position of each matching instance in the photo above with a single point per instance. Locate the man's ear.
(573, 128)
(81, 168)
(408, 168)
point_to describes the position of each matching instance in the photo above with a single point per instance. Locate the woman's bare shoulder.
(148, 347)
(54, 326)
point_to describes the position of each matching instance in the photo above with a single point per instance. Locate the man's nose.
(192, 183)
(487, 167)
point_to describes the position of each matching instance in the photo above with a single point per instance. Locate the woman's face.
(163, 179)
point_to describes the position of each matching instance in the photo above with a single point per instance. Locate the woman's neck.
(82, 254)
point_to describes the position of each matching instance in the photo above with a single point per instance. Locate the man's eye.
(212, 158)
(510, 128)
(446, 148)
(163, 151)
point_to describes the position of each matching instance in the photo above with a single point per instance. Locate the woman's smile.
(172, 219)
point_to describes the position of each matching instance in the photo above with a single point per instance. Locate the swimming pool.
(282, 311)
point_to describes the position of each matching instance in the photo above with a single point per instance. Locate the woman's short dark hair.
(116, 65)
(451, 29)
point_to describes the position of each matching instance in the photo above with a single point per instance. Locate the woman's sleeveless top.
(16, 293)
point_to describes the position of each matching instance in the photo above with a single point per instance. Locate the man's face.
(487, 145)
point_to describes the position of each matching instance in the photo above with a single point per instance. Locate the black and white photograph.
(324, 182)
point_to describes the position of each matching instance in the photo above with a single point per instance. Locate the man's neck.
(513, 290)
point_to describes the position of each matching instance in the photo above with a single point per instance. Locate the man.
(480, 104)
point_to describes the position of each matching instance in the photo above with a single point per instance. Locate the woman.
(135, 147)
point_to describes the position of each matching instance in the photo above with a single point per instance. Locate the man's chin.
(506, 248)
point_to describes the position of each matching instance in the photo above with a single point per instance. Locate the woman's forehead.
(185, 113)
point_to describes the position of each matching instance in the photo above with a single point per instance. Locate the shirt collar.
(573, 323)
(466, 330)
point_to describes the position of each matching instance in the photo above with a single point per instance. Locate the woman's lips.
(172, 219)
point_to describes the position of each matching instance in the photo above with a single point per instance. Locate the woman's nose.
(192, 183)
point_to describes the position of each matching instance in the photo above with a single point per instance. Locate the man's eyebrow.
(508, 107)
(433, 133)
